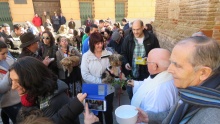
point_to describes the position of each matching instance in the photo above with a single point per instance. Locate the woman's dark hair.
(58, 39)
(108, 32)
(52, 39)
(149, 27)
(75, 32)
(81, 34)
(121, 30)
(87, 29)
(17, 26)
(94, 39)
(3, 45)
(117, 25)
(35, 77)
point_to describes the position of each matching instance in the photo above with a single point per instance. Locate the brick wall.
(177, 19)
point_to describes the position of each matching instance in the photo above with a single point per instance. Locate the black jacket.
(61, 109)
(150, 42)
(116, 46)
(62, 20)
(68, 109)
(27, 52)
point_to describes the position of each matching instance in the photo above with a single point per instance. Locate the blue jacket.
(85, 47)
(126, 26)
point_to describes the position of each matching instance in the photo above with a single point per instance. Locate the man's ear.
(155, 66)
(205, 72)
(143, 28)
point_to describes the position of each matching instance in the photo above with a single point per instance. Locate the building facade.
(24, 10)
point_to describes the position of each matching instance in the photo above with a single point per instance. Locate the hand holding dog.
(127, 66)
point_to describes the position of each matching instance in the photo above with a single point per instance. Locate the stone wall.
(177, 19)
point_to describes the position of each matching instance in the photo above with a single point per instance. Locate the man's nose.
(170, 68)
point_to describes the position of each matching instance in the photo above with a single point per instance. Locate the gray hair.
(206, 52)
(198, 34)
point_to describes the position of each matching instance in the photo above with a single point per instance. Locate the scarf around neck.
(197, 97)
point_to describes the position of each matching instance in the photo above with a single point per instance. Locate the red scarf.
(25, 102)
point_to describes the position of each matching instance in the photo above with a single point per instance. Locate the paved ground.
(124, 100)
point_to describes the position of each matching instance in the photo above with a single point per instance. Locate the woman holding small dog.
(94, 63)
(66, 51)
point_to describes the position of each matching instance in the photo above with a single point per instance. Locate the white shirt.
(159, 99)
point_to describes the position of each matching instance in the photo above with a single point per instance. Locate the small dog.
(69, 62)
(113, 71)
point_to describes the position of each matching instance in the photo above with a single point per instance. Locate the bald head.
(160, 57)
(137, 29)
(138, 22)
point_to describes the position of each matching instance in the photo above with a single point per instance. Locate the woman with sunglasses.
(65, 50)
(48, 47)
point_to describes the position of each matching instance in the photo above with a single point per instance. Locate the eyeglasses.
(152, 62)
(47, 38)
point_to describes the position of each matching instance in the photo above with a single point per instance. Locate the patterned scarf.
(195, 98)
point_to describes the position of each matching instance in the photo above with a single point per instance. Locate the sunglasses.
(47, 38)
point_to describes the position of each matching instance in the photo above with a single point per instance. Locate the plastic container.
(126, 114)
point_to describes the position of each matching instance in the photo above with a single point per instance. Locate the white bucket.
(126, 114)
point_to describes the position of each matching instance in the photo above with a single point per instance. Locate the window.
(20, 1)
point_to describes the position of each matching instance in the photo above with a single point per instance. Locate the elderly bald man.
(156, 93)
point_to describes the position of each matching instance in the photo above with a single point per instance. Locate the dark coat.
(62, 20)
(116, 46)
(150, 42)
(61, 109)
(50, 51)
(126, 26)
(27, 52)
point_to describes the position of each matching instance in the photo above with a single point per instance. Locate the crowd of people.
(172, 87)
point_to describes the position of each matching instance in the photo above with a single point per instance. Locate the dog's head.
(115, 59)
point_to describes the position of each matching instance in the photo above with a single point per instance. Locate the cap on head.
(5, 25)
(115, 35)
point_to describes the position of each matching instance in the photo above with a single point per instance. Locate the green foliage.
(121, 82)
